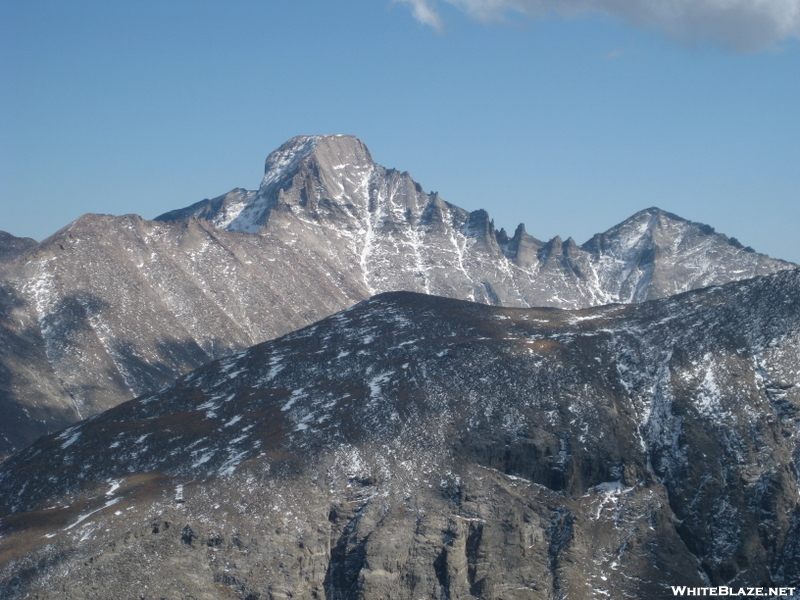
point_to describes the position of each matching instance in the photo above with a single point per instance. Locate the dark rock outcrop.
(12, 246)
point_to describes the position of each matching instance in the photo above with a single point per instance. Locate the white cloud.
(742, 25)
(425, 12)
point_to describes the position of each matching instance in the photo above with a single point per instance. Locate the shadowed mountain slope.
(12, 246)
(422, 447)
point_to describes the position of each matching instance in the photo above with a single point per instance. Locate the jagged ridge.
(112, 307)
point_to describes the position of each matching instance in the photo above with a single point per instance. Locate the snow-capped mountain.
(421, 447)
(112, 307)
(328, 189)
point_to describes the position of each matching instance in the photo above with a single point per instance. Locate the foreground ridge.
(418, 446)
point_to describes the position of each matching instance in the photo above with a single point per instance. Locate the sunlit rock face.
(415, 446)
(112, 307)
(325, 192)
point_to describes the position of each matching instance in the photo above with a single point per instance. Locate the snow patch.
(71, 440)
(233, 421)
(376, 382)
(82, 518)
(295, 396)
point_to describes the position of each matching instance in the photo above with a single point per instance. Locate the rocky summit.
(415, 446)
(327, 190)
(109, 308)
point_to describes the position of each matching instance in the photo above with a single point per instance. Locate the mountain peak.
(332, 151)
(654, 213)
(308, 164)
(145, 301)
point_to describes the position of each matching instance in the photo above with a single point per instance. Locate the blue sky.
(567, 122)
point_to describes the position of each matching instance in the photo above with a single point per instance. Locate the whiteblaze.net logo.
(682, 590)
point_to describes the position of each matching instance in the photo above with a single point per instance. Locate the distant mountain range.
(416, 446)
(109, 308)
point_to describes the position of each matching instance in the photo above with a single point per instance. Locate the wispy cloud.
(741, 25)
(425, 12)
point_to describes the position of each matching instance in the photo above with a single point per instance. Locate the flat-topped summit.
(333, 151)
(332, 158)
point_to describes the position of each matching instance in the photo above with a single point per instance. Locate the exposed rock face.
(329, 190)
(112, 307)
(422, 447)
